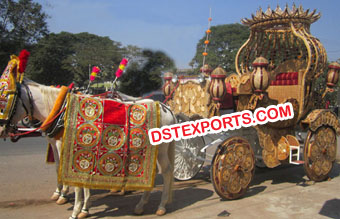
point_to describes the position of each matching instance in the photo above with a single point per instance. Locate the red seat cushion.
(286, 78)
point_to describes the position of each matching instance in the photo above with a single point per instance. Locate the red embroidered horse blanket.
(105, 144)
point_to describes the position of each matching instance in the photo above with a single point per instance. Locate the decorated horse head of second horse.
(10, 84)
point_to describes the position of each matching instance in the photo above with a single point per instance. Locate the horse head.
(11, 92)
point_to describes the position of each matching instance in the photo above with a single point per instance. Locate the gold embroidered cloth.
(105, 144)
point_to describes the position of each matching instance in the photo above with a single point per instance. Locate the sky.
(175, 26)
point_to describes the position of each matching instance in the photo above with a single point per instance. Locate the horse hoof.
(61, 200)
(160, 212)
(55, 196)
(121, 192)
(138, 211)
(114, 190)
(82, 215)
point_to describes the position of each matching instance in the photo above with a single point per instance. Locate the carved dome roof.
(279, 16)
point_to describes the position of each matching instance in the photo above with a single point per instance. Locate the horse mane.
(49, 93)
(126, 97)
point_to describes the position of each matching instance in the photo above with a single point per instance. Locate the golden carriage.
(279, 63)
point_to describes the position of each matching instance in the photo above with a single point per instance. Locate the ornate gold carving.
(321, 117)
(283, 149)
(278, 16)
(233, 79)
(191, 98)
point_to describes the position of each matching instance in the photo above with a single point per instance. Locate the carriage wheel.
(233, 168)
(188, 156)
(320, 153)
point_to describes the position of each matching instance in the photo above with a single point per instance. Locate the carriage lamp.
(259, 81)
(168, 86)
(206, 70)
(260, 77)
(217, 87)
(332, 78)
(333, 74)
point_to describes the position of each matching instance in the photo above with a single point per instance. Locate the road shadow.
(335, 171)
(113, 204)
(331, 208)
(281, 174)
(116, 206)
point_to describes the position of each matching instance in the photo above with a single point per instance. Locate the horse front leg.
(60, 195)
(55, 145)
(85, 210)
(78, 202)
(55, 196)
(63, 198)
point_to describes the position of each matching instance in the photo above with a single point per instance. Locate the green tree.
(47, 63)
(91, 50)
(22, 23)
(225, 40)
(144, 73)
(65, 57)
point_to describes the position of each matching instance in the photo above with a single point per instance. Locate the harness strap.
(28, 112)
(30, 100)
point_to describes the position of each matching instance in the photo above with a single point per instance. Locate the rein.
(43, 126)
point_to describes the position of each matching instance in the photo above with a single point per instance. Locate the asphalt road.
(26, 183)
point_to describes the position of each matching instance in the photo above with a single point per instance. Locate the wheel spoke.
(186, 163)
(320, 153)
(233, 168)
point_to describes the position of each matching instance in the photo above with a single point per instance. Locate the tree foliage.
(144, 73)
(65, 57)
(225, 40)
(91, 50)
(22, 23)
(47, 64)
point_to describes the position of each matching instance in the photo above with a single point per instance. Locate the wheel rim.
(188, 156)
(233, 168)
(320, 153)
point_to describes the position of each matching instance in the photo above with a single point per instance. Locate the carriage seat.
(286, 80)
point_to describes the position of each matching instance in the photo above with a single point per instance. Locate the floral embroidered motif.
(106, 144)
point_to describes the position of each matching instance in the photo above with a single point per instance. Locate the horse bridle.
(9, 126)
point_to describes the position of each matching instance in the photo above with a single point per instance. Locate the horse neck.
(44, 98)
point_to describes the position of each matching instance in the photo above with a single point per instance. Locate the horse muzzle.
(3, 132)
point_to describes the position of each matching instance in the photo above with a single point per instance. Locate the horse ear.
(23, 58)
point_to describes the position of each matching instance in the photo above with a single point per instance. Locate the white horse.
(39, 107)
(43, 98)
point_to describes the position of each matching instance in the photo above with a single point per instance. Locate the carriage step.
(294, 155)
(298, 162)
